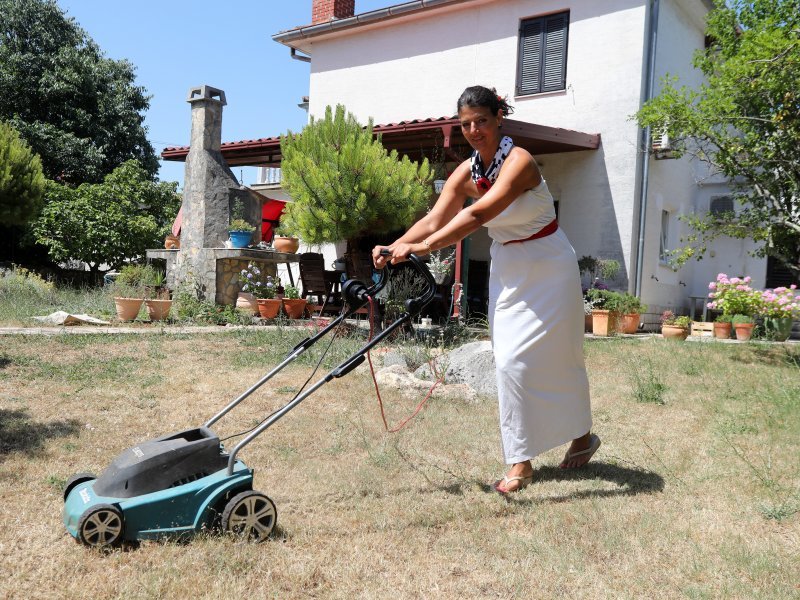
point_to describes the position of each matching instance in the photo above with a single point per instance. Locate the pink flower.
(712, 285)
(747, 279)
(735, 280)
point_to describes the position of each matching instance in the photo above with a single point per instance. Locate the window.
(542, 62)
(720, 206)
(663, 246)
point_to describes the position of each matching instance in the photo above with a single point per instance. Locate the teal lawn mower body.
(185, 482)
(170, 487)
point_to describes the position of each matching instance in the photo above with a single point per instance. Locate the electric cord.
(378, 392)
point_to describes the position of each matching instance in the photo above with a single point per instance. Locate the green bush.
(19, 284)
(606, 299)
(630, 304)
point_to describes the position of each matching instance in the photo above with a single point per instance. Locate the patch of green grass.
(56, 482)
(287, 389)
(647, 384)
(24, 295)
(118, 368)
(781, 511)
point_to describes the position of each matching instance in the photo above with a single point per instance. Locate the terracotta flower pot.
(158, 309)
(604, 322)
(286, 244)
(744, 331)
(128, 308)
(629, 323)
(245, 301)
(269, 308)
(294, 307)
(722, 331)
(674, 333)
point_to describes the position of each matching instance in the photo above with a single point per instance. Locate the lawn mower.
(184, 482)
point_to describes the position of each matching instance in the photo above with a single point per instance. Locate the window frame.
(543, 20)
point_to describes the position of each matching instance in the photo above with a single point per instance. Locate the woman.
(535, 306)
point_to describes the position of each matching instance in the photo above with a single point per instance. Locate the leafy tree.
(80, 111)
(745, 121)
(21, 179)
(345, 185)
(109, 222)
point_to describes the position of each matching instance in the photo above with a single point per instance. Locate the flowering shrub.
(780, 303)
(668, 318)
(440, 263)
(734, 296)
(254, 282)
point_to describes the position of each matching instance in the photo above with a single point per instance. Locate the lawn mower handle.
(413, 307)
(359, 295)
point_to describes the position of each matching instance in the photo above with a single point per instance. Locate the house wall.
(684, 186)
(418, 68)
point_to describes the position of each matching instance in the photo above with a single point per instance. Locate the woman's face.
(480, 127)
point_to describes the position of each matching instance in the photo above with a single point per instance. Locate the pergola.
(417, 138)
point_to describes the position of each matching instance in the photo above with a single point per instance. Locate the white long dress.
(536, 321)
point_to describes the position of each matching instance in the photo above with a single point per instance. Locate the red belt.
(548, 229)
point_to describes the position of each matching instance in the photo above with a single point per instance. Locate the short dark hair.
(478, 95)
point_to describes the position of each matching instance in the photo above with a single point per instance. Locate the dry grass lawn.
(694, 494)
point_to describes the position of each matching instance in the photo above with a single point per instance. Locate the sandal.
(501, 485)
(594, 444)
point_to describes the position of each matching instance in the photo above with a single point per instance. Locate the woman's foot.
(580, 451)
(518, 477)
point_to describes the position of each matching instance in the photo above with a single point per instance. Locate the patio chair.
(320, 283)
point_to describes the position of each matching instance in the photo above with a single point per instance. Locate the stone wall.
(228, 285)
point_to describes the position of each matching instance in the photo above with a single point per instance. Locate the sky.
(179, 44)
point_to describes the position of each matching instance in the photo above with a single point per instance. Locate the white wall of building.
(684, 186)
(418, 68)
(415, 67)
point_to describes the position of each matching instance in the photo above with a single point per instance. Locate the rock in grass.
(472, 364)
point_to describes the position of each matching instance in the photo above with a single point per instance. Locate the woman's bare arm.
(519, 174)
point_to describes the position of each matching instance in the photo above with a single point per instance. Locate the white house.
(575, 72)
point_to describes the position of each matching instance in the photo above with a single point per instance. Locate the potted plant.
(128, 292)
(239, 230)
(285, 243)
(630, 308)
(588, 307)
(723, 326)
(156, 294)
(293, 305)
(605, 314)
(778, 308)
(743, 325)
(261, 288)
(674, 327)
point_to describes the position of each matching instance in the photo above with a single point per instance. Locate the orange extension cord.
(375, 380)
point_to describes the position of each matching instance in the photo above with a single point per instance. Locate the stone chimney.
(323, 11)
(209, 191)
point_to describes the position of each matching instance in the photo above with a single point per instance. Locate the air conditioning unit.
(660, 145)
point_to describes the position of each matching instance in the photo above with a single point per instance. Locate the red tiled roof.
(413, 138)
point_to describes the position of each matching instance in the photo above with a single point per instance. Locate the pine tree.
(21, 179)
(345, 185)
